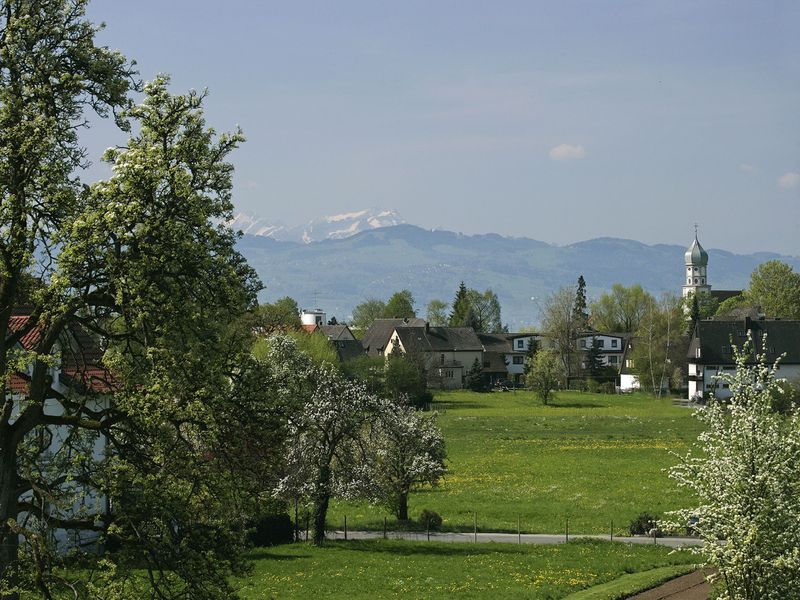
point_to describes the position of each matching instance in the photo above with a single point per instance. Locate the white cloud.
(747, 168)
(567, 152)
(789, 180)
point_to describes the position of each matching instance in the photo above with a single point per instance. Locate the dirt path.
(688, 587)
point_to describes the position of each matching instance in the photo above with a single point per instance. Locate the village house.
(76, 377)
(446, 352)
(711, 351)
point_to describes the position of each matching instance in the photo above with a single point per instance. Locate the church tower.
(695, 275)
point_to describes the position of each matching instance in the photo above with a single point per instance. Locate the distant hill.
(337, 274)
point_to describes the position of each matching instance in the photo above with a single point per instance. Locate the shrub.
(592, 386)
(271, 530)
(644, 524)
(607, 387)
(430, 519)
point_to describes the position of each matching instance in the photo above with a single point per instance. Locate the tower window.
(689, 280)
(695, 280)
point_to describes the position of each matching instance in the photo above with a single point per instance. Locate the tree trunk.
(402, 507)
(9, 541)
(321, 499)
(320, 516)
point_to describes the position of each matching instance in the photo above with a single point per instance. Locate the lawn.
(416, 570)
(589, 458)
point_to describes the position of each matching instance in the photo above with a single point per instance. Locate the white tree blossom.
(407, 451)
(745, 475)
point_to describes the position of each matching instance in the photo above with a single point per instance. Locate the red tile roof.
(19, 322)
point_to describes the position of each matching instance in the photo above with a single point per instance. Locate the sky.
(560, 121)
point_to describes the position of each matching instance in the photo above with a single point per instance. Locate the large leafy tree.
(660, 345)
(745, 476)
(365, 313)
(406, 452)
(325, 456)
(400, 306)
(544, 374)
(621, 309)
(51, 72)
(485, 309)
(775, 287)
(561, 328)
(140, 267)
(437, 313)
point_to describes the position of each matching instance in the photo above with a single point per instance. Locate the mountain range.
(336, 274)
(332, 227)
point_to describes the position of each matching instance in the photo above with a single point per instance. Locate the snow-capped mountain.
(332, 227)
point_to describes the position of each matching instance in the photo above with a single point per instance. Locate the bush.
(607, 388)
(271, 530)
(644, 524)
(592, 386)
(430, 519)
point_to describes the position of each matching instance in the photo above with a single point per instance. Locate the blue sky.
(560, 121)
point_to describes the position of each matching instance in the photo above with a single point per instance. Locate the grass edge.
(632, 583)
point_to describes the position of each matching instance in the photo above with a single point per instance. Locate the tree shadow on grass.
(432, 548)
(265, 554)
(576, 405)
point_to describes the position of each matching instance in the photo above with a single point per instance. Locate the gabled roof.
(715, 338)
(18, 323)
(378, 334)
(81, 358)
(439, 339)
(336, 332)
(348, 349)
(496, 342)
(722, 295)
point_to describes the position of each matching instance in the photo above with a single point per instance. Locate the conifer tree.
(579, 312)
(460, 314)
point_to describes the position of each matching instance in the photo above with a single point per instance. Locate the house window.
(726, 349)
(449, 374)
(629, 363)
(583, 343)
(697, 353)
(614, 343)
(518, 360)
(486, 364)
(521, 344)
(442, 358)
(601, 343)
(612, 360)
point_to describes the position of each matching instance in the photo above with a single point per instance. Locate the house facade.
(76, 375)
(711, 350)
(446, 352)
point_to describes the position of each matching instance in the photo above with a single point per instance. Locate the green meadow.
(592, 459)
(420, 570)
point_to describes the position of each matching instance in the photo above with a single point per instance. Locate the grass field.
(591, 458)
(417, 570)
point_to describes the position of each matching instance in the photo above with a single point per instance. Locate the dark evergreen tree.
(579, 312)
(333, 321)
(594, 360)
(475, 376)
(461, 305)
